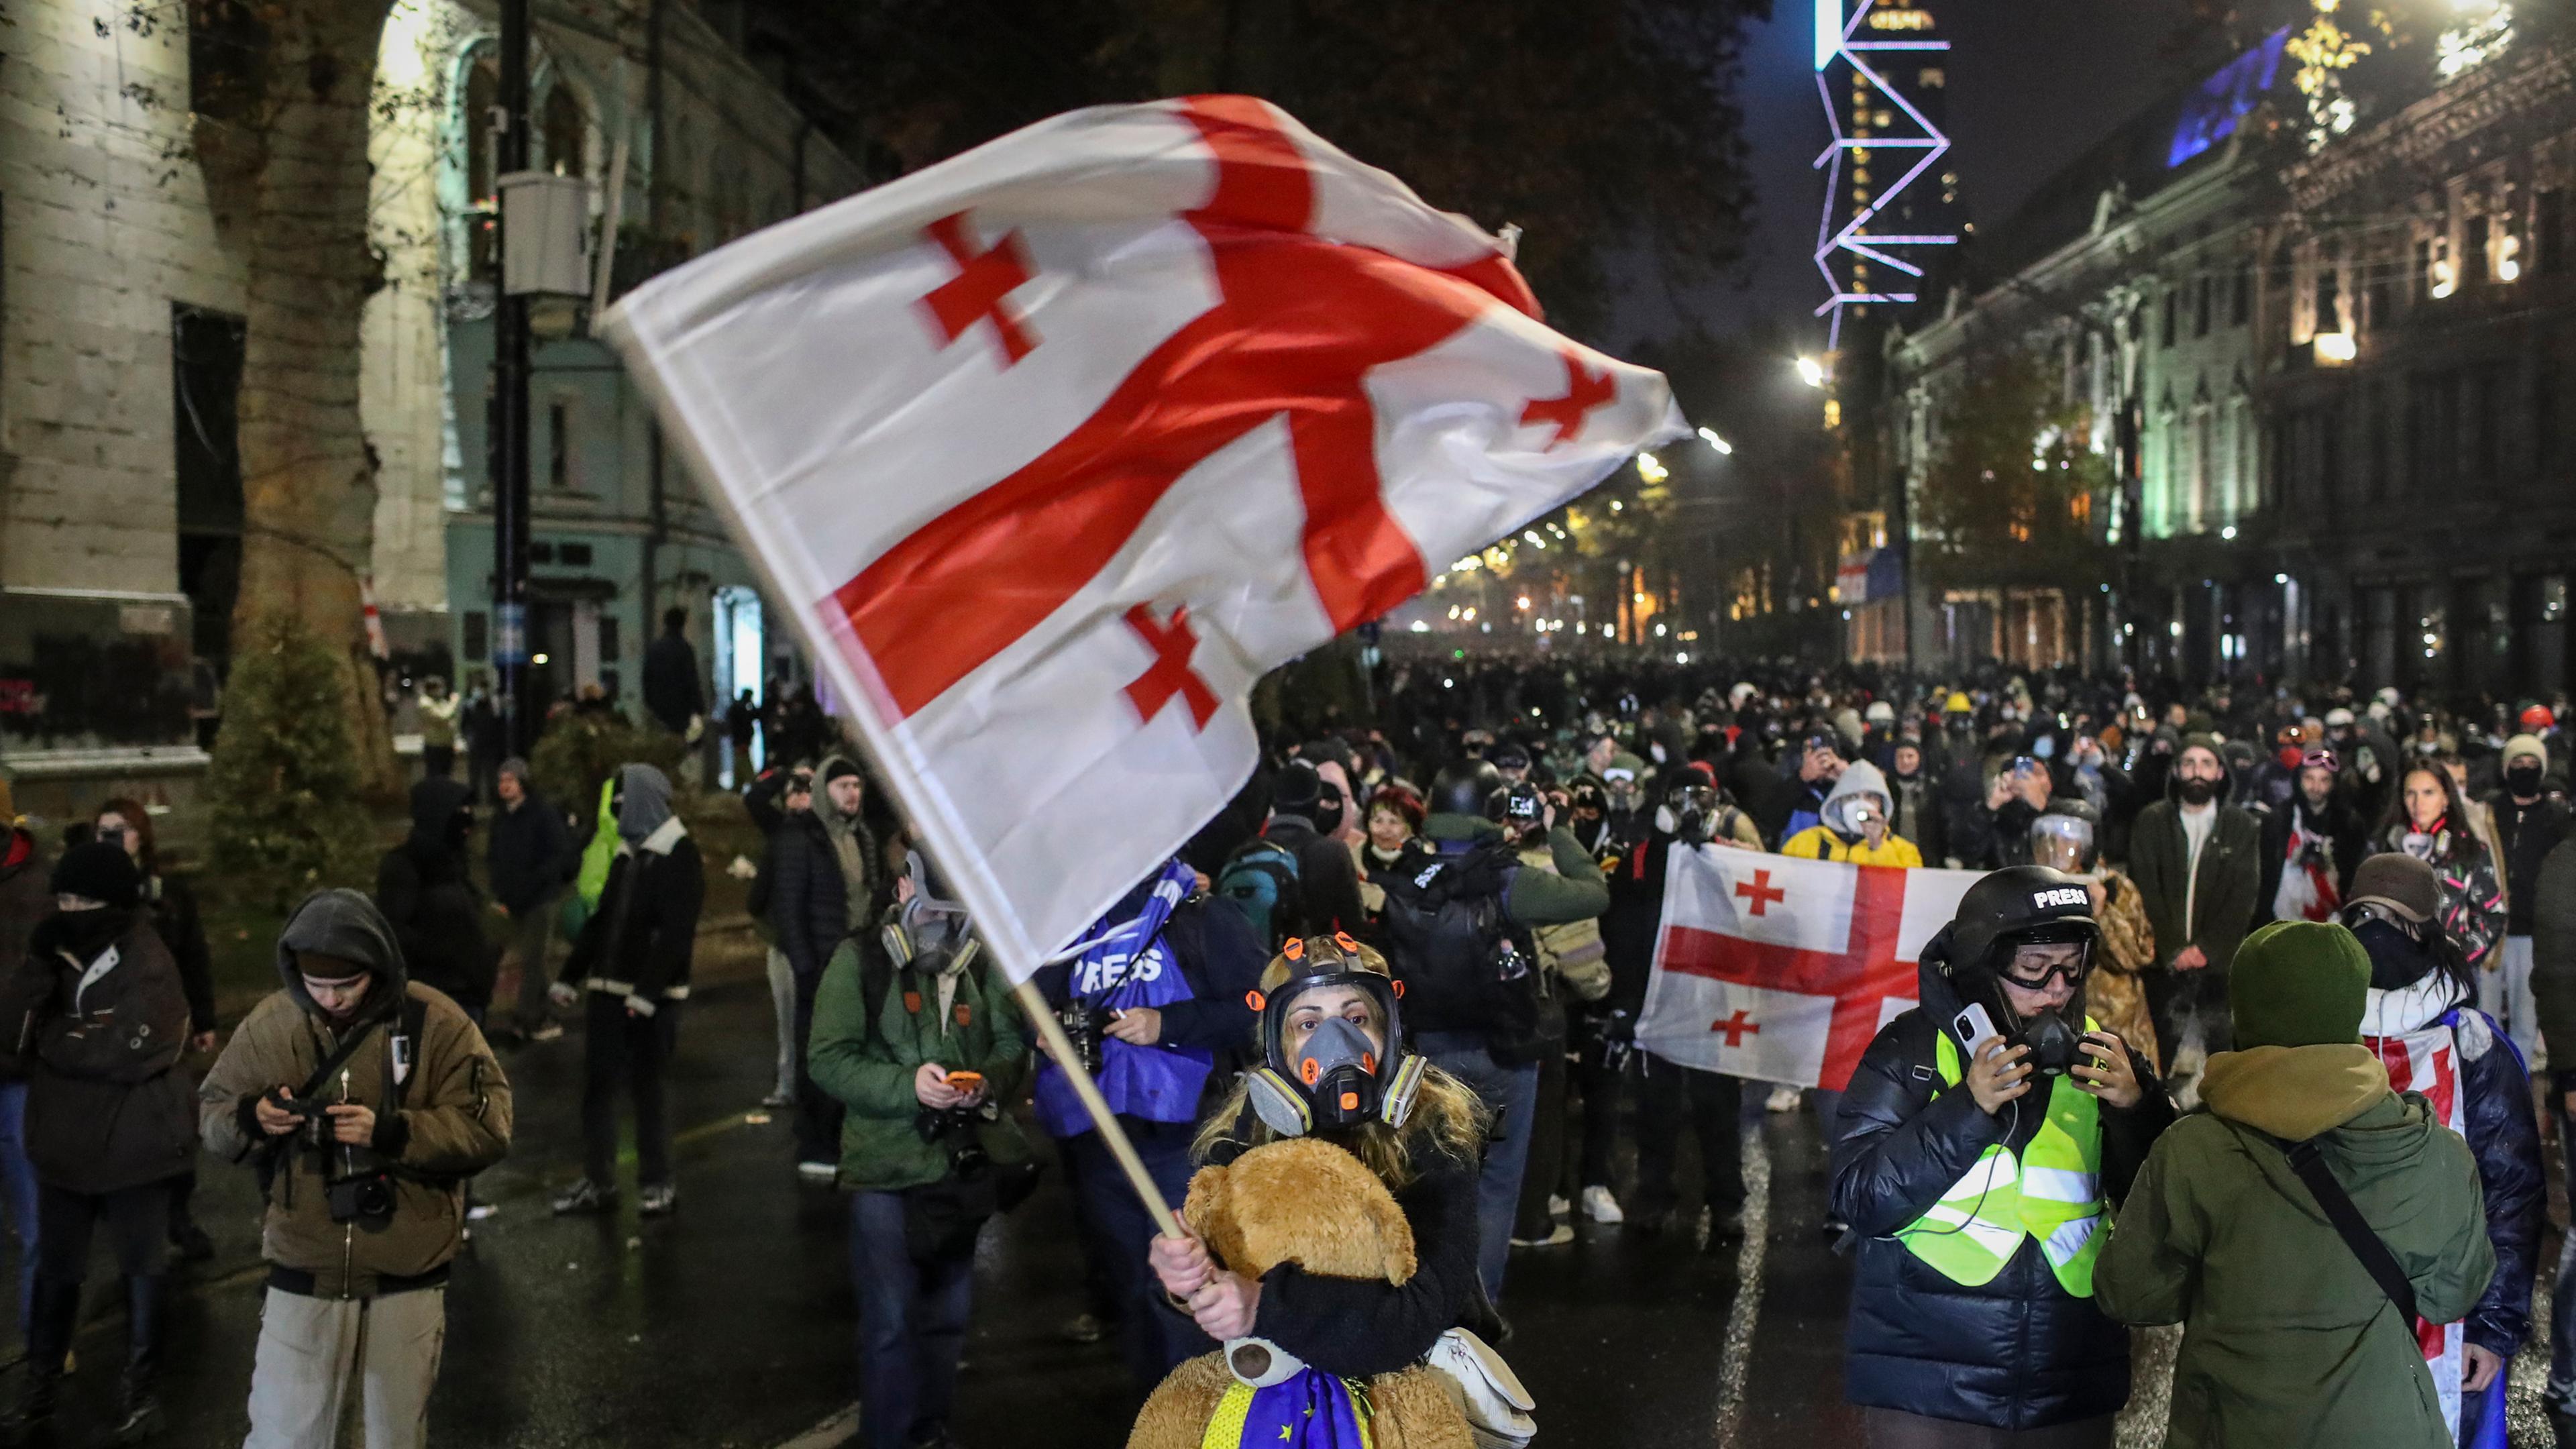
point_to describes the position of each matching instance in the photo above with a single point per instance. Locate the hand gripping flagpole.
(1033, 1004)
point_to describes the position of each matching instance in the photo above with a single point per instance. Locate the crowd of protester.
(2251, 901)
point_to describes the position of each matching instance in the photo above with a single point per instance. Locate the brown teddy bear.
(1310, 1203)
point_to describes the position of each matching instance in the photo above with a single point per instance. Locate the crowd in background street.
(2255, 867)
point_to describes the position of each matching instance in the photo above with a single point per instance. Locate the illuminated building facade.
(2335, 381)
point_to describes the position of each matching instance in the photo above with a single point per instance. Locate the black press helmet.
(2018, 906)
(1463, 788)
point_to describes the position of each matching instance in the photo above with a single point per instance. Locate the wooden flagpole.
(1042, 1016)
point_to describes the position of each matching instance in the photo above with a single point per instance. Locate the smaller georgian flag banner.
(1781, 969)
(1053, 449)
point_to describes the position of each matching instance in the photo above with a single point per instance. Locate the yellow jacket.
(1817, 842)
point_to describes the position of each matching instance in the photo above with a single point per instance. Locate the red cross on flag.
(1781, 969)
(1055, 448)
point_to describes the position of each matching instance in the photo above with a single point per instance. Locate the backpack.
(1452, 947)
(1262, 881)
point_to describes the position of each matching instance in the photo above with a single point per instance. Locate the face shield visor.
(2062, 842)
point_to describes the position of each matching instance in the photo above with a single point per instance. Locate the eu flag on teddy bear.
(1308, 1410)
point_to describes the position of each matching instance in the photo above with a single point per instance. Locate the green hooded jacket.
(2287, 1341)
(871, 1072)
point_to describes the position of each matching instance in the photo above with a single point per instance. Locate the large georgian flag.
(1056, 447)
(1781, 969)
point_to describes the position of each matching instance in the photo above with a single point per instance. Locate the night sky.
(2032, 82)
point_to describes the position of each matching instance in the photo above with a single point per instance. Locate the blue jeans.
(1153, 1339)
(18, 1185)
(912, 1327)
(1511, 1094)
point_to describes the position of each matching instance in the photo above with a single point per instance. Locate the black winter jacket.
(107, 1107)
(2525, 834)
(640, 941)
(173, 909)
(437, 915)
(532, 857)
(1328, 878)
(2018, 1352)
(1635, 917)
(808, 897)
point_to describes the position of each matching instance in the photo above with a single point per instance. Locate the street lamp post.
(509, 407)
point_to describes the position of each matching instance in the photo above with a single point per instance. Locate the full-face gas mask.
(928, 933)
(1335, 1079)
(2025, 905)
(1619, 786)
(1689, 814)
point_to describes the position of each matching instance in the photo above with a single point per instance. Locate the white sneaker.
(818, 1171)
(1557, 1206)
(1600, 1206)
(1783, 1099)
(1557, 1237)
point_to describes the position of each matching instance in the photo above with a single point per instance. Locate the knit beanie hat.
(2400, 882)
(2299, 983)
(2203, 740)
(837, 767)
(100, 871)
(2514, 749)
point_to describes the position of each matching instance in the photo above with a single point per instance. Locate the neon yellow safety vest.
(2052, 1193)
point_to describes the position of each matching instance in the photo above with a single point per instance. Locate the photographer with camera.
(1977, 1148)
(365, 1100)
(921, 1045)
(97, 1019)
(1155, 1006)
(1853, 825)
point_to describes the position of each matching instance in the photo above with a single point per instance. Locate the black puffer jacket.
(808, 897)
(2018, 1352)
(641, 941)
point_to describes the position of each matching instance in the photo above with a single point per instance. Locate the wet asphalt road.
(730, 1323)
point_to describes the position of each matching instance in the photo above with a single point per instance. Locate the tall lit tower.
(1880, 71)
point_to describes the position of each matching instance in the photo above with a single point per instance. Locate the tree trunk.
(290, 175)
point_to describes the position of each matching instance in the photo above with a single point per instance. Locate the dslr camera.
(1083, 1025)
(354, 1195)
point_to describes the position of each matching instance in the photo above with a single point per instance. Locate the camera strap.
(332, 1064)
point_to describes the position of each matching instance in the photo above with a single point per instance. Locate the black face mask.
(86, 933)
(2196, 792)
(2523, 780)
(2055, 1043)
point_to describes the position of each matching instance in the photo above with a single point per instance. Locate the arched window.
(474, 123)
(565, 132)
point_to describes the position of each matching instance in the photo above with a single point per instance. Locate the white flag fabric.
(1782, 969)
(1056, 447)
